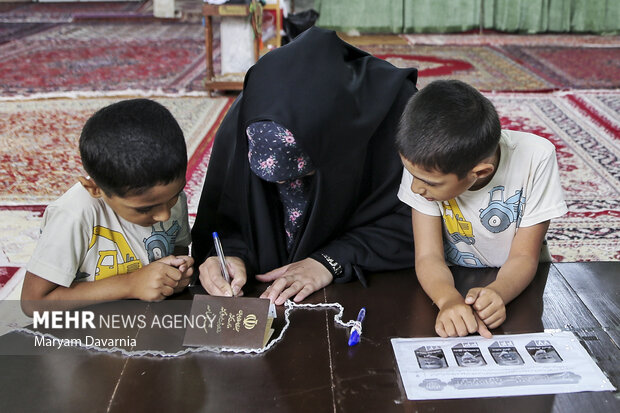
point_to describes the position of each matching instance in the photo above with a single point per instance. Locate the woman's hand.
(213, 281)
(299, 279)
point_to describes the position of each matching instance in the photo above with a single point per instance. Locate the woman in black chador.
(302, 181)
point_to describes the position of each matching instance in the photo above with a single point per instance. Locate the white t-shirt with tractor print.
(479, 226)
(82, 239)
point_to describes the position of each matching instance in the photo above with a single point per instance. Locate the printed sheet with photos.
(505, 365)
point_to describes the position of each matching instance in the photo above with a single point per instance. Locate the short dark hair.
(131, 146)
(448, 126)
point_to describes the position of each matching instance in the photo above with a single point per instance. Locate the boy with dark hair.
(480, 197)
(125, 226)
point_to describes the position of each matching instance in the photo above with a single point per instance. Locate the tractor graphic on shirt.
(457, 226)
(161, 242)
(500, 213)
(108, 263)
(462, 258)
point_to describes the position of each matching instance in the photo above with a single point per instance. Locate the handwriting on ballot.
(230, 322)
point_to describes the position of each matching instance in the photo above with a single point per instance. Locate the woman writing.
(302, 181)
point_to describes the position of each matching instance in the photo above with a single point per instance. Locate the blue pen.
(356, 330)
(220, 256)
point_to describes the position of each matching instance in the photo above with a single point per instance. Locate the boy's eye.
(143, 210)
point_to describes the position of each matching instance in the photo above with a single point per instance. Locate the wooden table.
(312, 369)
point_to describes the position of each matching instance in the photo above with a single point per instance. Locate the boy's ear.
(90, 186)
(483, 169)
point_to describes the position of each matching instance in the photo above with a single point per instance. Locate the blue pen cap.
(354, 338)
(356, 330)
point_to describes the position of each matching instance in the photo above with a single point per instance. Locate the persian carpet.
(584, 126)
(39, 141)
(68, 12)
(551, 61)
(564, 65)
(14, 31)
(482, 66)
(498, 39)
(83, 59)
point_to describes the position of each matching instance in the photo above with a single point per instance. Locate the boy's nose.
(417, 188)
(162, 214)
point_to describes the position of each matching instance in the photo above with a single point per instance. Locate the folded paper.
(230, 322)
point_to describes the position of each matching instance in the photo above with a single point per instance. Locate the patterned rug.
(482, 66)
(504, 62)
(14, 31)
(585, 128)
(99, 59)
(169, 58)
(38, 142)
(69, 12)
(499, 39)
(564, 65)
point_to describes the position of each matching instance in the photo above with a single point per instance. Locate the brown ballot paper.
(230, 322)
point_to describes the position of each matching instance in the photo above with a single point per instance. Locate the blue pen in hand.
(221, 257)
(356, 330)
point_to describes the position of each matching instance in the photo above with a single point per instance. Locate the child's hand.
(456, 319)
(488, 305)
(183, 263)
(155, 281)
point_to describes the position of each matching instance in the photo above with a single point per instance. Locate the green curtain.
(599, 16)
(441, 16)
(563, 16)
(432, 16)
(367, 16)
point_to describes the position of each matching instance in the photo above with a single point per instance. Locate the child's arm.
(514, 276)
(455, 317)
(153, 282)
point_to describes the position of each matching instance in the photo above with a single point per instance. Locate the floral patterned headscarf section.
(275, 157)
(273, 153)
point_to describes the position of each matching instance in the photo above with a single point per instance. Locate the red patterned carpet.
(584, 127)
(505, 62)
(14, 31)
(38, 142)
(564, 66)
(481, 66)
(156, 58)
(69, 12)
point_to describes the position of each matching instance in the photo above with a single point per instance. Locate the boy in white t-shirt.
(123, 231)
(480, 197)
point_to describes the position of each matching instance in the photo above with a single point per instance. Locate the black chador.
(342, 106)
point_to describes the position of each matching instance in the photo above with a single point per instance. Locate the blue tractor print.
(160, 243)
(456, 257)
(499, 214)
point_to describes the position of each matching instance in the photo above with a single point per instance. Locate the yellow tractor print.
(459, 229)
(108, 264)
